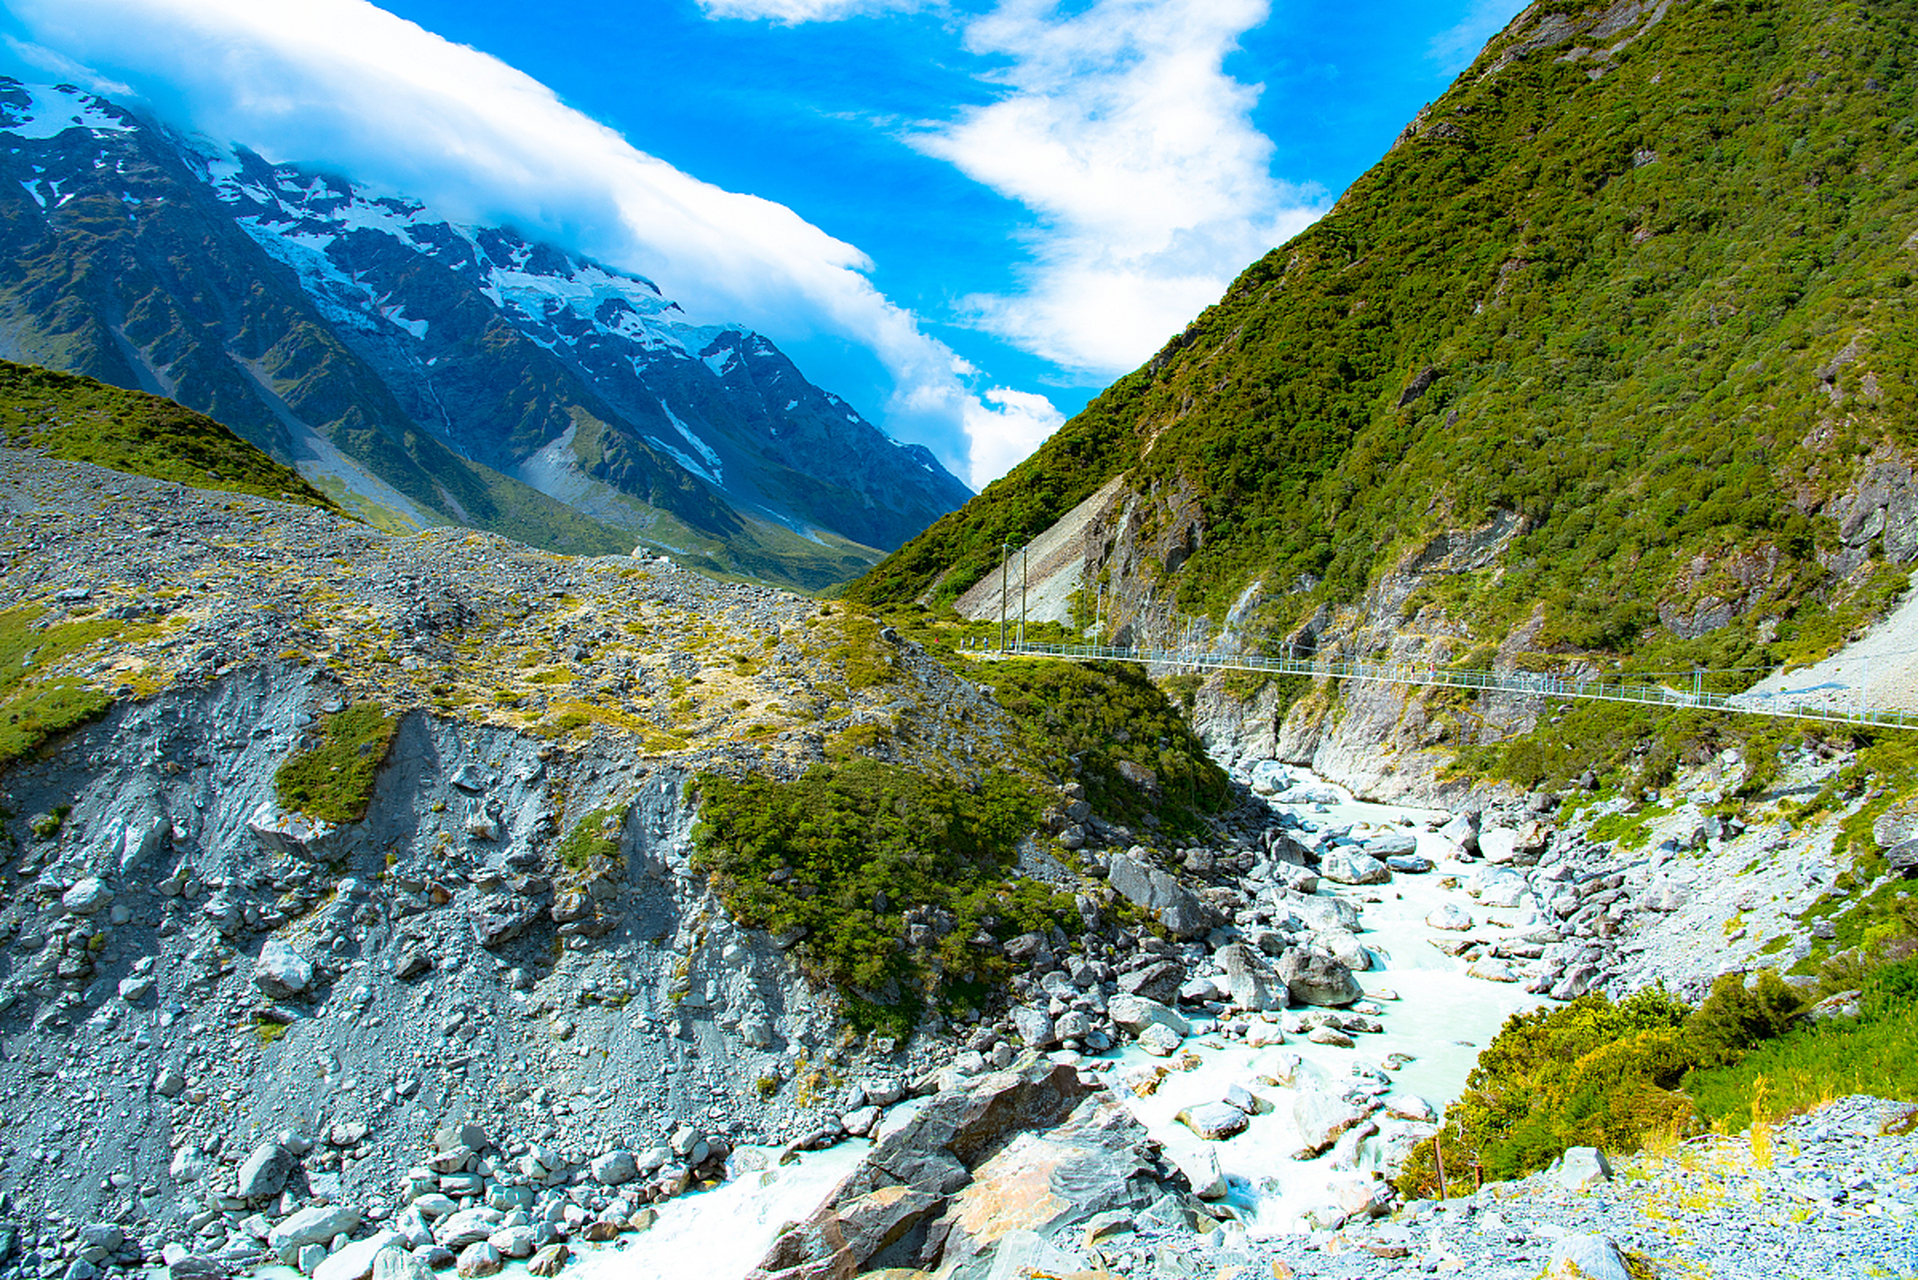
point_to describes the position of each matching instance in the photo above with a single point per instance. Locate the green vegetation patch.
(81, 420)
(594, 836)
(1112, 726)
(844, 854)
(1595, 1073)
(333, 781)
(1875, 1053)
(31, 709)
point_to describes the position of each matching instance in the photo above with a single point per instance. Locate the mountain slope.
(432, 373)
(83, 420)
(1610, 356)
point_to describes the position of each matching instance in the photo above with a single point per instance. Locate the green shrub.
(333, 780)
(1102, 715)
(1875, 1053)
(1735, 1016)
(1586, 1073)
(844, 852)
(594, 836)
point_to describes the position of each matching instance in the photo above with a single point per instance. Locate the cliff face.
(1604, 363)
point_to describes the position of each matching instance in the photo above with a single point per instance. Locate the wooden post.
(1438, 1158)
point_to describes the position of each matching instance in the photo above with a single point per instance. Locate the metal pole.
(1005, 568)
(1022, 594)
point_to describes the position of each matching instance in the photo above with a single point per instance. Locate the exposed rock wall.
(182, 957)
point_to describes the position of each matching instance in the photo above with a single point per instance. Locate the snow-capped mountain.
(428, 370)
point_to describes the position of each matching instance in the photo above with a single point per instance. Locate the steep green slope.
(1655, 299)
(82, 420)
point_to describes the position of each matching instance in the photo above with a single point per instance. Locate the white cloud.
(797, 11)
(68, 71)
(1121, 130)
(1006, 429)
(341, 82)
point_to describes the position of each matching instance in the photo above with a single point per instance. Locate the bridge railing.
(1534, 684)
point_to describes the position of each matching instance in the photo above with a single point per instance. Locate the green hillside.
(81, 420)
(1657, 299)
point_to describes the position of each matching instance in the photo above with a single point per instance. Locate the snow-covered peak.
(555, 297)
(40, 111)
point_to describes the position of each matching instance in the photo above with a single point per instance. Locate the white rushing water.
(1440, 1019)
(724, 1232)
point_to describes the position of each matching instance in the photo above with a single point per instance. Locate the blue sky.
(966, 217)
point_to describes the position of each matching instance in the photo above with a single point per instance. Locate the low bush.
(845, 853)
(333, 780)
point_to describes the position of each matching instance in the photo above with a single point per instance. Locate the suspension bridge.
(1844, 705)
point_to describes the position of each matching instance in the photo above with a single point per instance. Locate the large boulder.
(1321, 1118)
(355, 1261)
(1136, 1013)
(1183, 912)
(1213, 1121)
(876, 1214)
(1159, 981)
(315, 1224)
(842, 1237)
(1354, 866)
(1322, 913)
(1253, 984)
(265, 1171)
(1314, 977)
(282, 971)
(291, 834)
(1393, 845)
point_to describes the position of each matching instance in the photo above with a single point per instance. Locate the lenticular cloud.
(343, 82)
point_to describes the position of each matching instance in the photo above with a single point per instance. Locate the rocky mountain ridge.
(432, 373)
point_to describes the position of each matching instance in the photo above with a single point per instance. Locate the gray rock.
(282, 971)
(1313, 977)
(1201, 1169)
(1136, 1013)
(394, 1263)
(87, 896)
(479, 1259)
(1179, 909)
(1159, 981)
(1586, 1257)
(1072, 1025)
(1449, 916)
(1034, 1027)
(1252, 983)
(1582, 1168)
(1213, 1120)
(265, 1171)
(1321, 1119)
(1409, 863)
(1391, 846)
(458, 1230)
(315, 1225)
(1160, 1040)
(1349, 866)
(514, 1242)
(613, 1169)
(355, 1261)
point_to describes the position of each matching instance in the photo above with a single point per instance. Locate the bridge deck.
(1516, 682)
